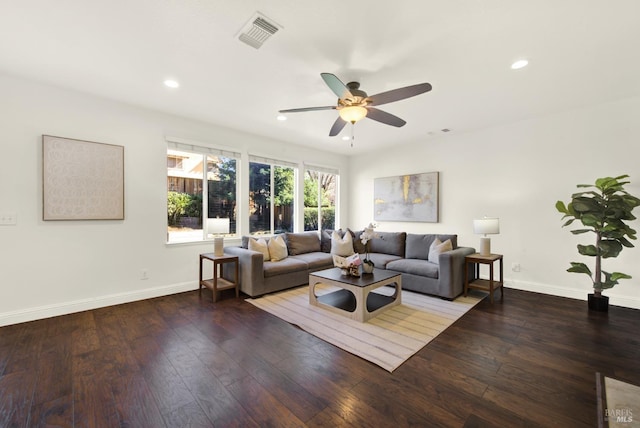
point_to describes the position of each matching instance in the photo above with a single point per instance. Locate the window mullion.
(319, 204)
(272, 205)
(205, 196)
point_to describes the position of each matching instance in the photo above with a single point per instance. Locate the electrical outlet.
(515, 267)
(8, 219)
(144, 274)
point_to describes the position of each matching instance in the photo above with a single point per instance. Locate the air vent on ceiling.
(258, 30)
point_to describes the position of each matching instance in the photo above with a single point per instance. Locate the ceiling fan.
(354, 104)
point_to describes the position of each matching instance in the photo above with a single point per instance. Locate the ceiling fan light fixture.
(352, 113)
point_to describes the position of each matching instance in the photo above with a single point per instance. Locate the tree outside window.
(221, 185)
(263, 202)
(319, 200)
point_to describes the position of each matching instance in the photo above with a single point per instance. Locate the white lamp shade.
(486, 226)
(217, 225)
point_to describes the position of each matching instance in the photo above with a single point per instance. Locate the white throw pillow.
(261, 246)
(342, 246)
(277, 248)
(437, 248)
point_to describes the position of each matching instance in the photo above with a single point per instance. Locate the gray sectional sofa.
(405, 253)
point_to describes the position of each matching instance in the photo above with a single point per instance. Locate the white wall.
(50, 268)
(518, 172)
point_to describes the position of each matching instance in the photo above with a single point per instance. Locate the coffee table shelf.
(354, 298)
(345, 300)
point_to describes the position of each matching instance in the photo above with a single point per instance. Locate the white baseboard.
(48, 311)
(572, 293)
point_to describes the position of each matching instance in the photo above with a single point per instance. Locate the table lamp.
(217, 227)
(486, 226)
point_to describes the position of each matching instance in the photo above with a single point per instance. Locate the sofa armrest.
(251, 270)
(452, 269)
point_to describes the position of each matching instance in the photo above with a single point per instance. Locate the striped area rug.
(387, 340)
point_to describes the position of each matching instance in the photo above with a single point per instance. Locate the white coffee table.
(354, 298)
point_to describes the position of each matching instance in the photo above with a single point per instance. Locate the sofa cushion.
(418, 245)
(261, 246)
(341, 245)
(415, 267)
(438, 247)
(277, 248)
(303, 242)
(389, 243)
(288, 265)
(382, 260)
(316, 260)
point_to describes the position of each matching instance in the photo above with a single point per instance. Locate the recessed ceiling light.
(171, 83)
(281, 117)
(519, 64)
(346, 138)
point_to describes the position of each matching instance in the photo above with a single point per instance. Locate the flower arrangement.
(367, 235)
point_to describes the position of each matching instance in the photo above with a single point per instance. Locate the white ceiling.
(580, 52)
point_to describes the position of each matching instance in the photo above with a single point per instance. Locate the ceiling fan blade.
(399, 94)
(384, 117)
(298, 110)
(337, 127)
(336, 85)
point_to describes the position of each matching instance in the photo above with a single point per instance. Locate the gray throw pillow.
(302, 243)
(325, 240)
(358, 246)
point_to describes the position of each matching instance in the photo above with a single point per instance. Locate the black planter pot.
(598, 303)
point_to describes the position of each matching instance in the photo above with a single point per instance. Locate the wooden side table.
(489, 285)
(218, 283)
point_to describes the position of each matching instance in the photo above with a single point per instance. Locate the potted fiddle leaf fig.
(602, 210)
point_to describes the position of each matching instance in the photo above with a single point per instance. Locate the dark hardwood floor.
(183, 361)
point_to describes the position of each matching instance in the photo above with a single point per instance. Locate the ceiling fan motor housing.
(355, 91)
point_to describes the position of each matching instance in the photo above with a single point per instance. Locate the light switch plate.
(8, 219)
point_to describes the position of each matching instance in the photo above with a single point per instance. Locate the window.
(271, 190)
(188, 181)
(320, 186)
(174, 161)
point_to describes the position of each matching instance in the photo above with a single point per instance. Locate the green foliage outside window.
(177, 204)
(283, 181)
(311, 218)
(183, 205)
(313, 181)
(194, 209)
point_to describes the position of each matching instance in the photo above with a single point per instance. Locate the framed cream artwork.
(81, 180)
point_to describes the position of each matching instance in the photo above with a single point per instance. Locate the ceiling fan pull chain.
(353, 137)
